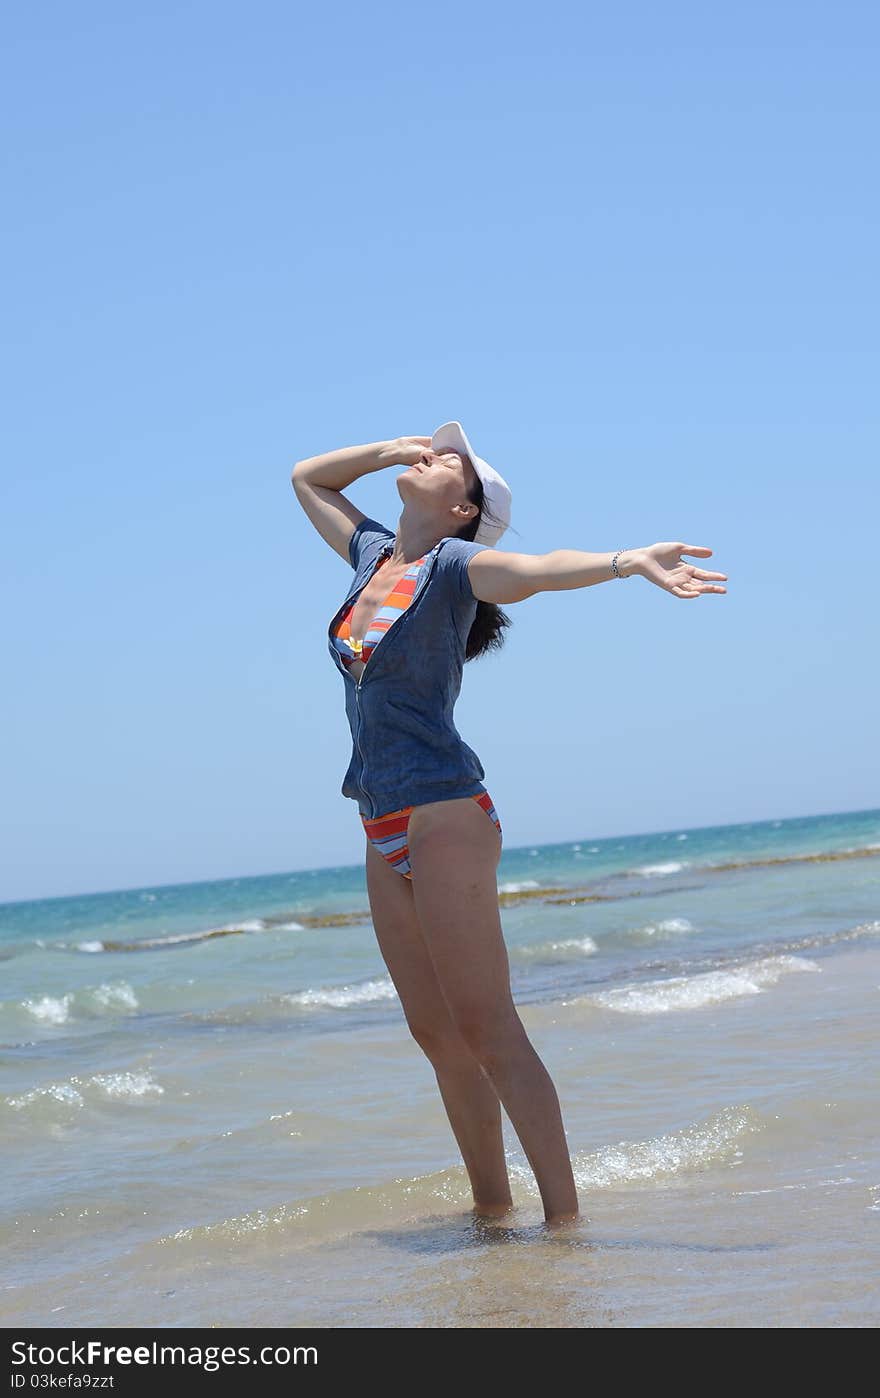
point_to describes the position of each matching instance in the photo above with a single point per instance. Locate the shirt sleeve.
(369, 534)
(456, 555)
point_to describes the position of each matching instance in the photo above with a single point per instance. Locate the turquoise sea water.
(188, 1072)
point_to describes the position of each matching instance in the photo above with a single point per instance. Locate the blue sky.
(632, 248)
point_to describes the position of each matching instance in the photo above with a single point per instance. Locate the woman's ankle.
(496, 1209)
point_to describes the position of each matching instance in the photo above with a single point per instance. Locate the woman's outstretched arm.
(512, 577)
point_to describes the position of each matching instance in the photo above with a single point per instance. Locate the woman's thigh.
(454, 849)
(405, 951)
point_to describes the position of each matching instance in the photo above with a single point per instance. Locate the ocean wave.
(109, 998)
(76, 1092)
(704, 988)
(175, 939)
(716, 1140)
(340, 997)
(654, 931)
(566, 947)
(672, 866)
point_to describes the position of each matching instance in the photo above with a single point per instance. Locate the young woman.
(423, 600)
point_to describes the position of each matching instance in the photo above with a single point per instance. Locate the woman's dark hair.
(490, 622)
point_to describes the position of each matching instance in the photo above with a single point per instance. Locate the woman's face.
(439, 481)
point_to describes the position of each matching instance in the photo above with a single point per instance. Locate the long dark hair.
(490, 622)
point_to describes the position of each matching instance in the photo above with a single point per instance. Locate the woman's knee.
(491, 1038)
(441, 1043)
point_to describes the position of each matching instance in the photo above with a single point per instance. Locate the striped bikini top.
(397, 601)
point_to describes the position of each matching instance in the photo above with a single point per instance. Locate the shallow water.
(212, 1111)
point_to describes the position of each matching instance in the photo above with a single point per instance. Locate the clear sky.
(633, 248)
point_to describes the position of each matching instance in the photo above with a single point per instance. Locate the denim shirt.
(406, 749)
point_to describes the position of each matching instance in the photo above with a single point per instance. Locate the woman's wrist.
(628, 563)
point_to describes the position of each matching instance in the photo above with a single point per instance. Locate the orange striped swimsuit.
(396, 602)
(388, 833)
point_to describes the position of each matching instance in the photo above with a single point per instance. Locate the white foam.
(50, 1009)
(127, 1086)
(518, 887)
(58, 1092)
(340, 997)
(58, 1009)
(120, 994)
(717, 1139)
(121, 1086)
(255, 924)
(705, 988)
(584, 944)
(673, 866)
(675, 1154)
(663, 928)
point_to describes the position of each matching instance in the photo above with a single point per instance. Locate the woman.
(423, 600)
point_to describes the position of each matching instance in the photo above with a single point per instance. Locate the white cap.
(496, 492)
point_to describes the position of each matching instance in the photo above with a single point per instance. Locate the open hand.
(662, 564)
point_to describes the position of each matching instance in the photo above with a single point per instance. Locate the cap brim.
(451, 436)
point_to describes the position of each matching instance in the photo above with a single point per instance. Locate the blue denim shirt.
(406, 749)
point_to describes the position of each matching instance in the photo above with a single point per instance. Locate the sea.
(212, 1112)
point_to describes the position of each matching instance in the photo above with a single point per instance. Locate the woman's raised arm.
(512, 577)
(320, 480)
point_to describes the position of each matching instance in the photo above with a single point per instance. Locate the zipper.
(362, 783)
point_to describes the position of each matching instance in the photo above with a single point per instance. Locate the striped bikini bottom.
(389, 832)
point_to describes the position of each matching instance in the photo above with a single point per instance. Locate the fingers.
(691, 588)
(685, 581)
(697, 574)
(698, 592)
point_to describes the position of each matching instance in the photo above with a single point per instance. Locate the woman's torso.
(362, 625)
(406, 748)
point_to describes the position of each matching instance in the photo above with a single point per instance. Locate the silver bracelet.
(614, 564)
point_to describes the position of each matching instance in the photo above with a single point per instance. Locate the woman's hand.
(662, 564)
(408, 450)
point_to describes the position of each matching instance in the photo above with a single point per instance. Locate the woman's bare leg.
(470, 1100)
(454, 850)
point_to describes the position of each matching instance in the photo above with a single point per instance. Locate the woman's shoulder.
(368, 538)
(453, 558)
